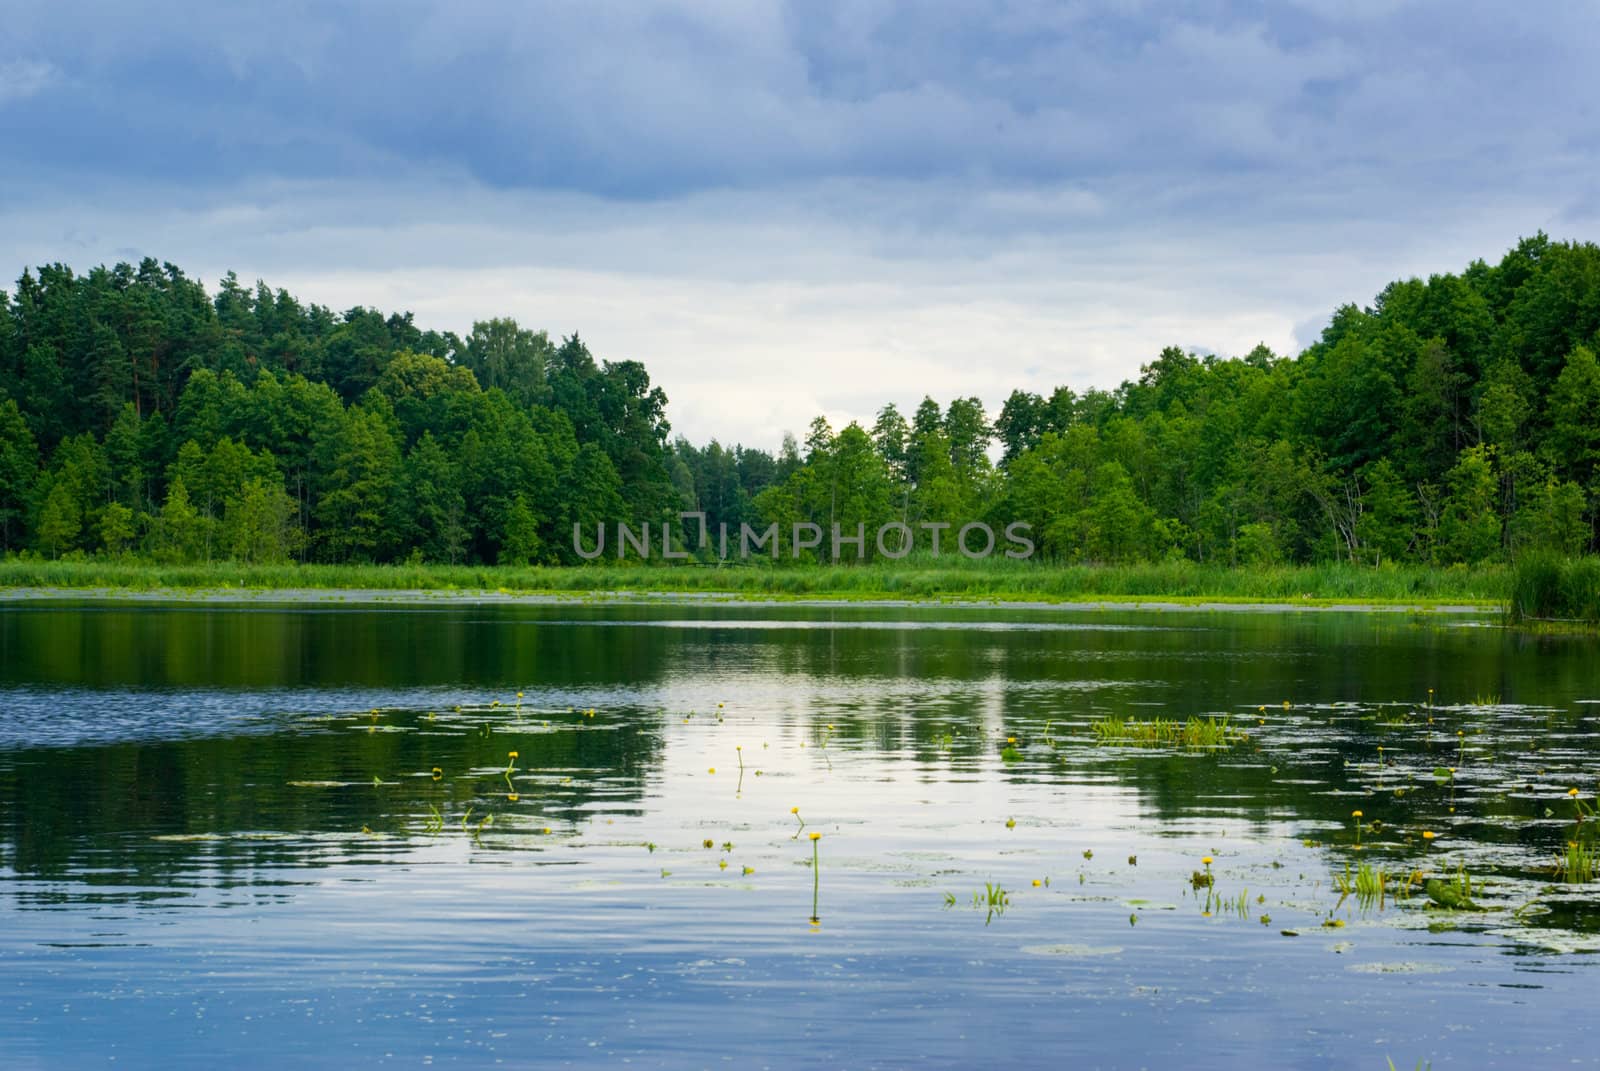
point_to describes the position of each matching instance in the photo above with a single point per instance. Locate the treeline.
(1455, 420)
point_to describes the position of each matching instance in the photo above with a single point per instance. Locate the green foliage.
(181, 533)
(19, 469)
(116, 528)
(1550, 588)
(1450, 422)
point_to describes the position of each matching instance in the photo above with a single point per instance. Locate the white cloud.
(20, 79)
(756, 312)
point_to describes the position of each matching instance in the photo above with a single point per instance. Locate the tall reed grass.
(1549, 588)
(910, 579)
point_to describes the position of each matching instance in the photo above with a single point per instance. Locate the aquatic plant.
(1369, 885)
(992, 899)
(1208, 732)
(796, 812)
(1454, 891)
(1576, 864)
(816, 876)
(1203, 880)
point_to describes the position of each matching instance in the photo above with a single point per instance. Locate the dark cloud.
(640, 99)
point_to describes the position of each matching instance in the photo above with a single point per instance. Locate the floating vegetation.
(1197, 732)
(1370, 885)
(1455, 891)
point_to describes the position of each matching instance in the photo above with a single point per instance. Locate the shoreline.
(356, 596)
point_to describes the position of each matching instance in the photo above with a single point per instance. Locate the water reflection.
(311, 827)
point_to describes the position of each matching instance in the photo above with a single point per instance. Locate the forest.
(1454, 420)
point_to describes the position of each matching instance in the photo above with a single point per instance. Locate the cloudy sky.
(787, 209)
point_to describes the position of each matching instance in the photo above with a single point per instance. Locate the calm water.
(225, 844)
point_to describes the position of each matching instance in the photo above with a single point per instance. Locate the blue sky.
(793, 208)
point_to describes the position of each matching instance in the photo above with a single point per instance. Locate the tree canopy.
(1454, 420)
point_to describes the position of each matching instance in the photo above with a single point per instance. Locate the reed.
(913, 578)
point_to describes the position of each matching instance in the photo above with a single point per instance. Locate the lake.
(568, 833)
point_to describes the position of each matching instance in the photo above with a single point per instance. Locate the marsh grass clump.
(1547, 588)
(1196, 732)
(1576, 864)
(1369, 885)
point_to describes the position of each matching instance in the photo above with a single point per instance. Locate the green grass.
(927, 579)
(1545, 588)
(1155, 732)
(1369, 885)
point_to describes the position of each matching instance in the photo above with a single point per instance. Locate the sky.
(812, 207)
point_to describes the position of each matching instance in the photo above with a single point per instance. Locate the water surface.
(250, 835)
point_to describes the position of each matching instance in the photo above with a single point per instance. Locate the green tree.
(181, 533)
(59, 520)
(358, 484)
(116, 528)
(1469, 527)
(520, 543)
(436, 506)
(19, 469)
(259, 523)
(1574, 441)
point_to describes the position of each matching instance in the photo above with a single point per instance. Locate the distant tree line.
(1456, 420)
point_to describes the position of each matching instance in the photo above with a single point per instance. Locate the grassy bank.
(907, 580)
(1556, 591)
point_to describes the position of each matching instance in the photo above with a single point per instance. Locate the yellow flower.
(1428, 834)
(722, 864)
(816, 836)
(1355, 814)
(712, 769)
(706, 843)
(519, 695)
(1011, 823)
(1207, 860)
(546, 829)
(1035, 883)
(1011, 740)
(1572, 792)
(513, 797)
(437, 773)
(513, 754)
